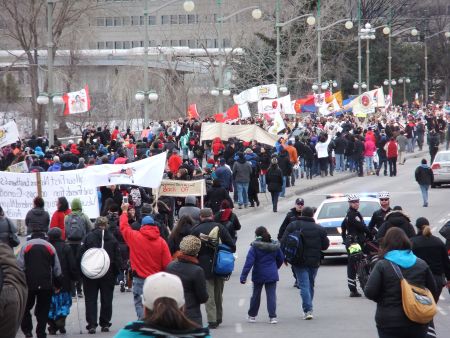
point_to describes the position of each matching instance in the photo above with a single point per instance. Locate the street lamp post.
(367, 33)
(188, 7)
(328, 84)
(404, 81)
(359, 86)
(220, 92)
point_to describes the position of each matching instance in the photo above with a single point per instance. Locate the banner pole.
(39, 184)
(202, 195)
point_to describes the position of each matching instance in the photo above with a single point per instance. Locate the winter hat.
(55, 158)
(81, 160)
(248, 151)
(148, 220)
(101, 221)
(421, 221)
(76, 205)
(190, 245)
(162, 285)
(54, 234)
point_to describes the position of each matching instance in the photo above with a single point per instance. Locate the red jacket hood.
(150, 232)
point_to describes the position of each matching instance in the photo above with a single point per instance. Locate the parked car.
(441, 168)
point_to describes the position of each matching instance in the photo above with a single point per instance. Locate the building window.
(192, 19)
(165, 19)
(135, 21)
(100, 21)
(126, 45)
(109, 22)
(192, 43)
(152, 20)
(101, 45)
(182, 19)
(118, 45)
(226, 43)
(166, 43)
(210, 43)
(183, 43)
(117, 21)
(175, 43)
(126, 20)
(152, 43)
(109, 45)
(174, 19)
(136, 44)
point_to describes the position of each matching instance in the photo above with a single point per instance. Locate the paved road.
(335, 313)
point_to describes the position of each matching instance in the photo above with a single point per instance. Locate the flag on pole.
(77, 102)
(278, 124)
(367, 102)
(231, 114)
(9, 134)
(192, 112)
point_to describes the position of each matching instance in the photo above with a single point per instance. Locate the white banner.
(9, 134)
(17, 192)
(245, 111)
(272, 107)
(245, 132)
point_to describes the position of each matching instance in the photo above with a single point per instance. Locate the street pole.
(146, 87)
(219, 33)
(50, 70)
(426, 70)
(319, 49)
(359, 48)
(389, 61)
(367, 64)
(404, 90)
(278, 32)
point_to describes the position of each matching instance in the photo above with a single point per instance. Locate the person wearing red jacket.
(149, 253)
(217, 148)
(62, 210)
(174, 162)
(391, 153)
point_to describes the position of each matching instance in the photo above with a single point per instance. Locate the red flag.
(231, 114)
(192, 112)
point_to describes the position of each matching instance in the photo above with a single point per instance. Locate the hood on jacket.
(191, 200)
(38, 211)
(150, 232)
(403, 258)
(76, 205)
(397, 217)
(266, 246)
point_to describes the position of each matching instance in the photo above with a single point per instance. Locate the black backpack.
(76, 228)
(293, 247)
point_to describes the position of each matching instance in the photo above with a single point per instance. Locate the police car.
(332, 212)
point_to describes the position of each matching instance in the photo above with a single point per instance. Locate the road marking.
(442, 311)
(238, 328)
(241, 302)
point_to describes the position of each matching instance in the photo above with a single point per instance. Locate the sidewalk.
(303, 185)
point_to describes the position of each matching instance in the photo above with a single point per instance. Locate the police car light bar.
(363, 194)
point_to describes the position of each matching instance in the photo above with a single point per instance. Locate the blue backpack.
(223, 261)
(293, 247)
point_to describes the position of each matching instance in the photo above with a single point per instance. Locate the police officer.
(354, 231)
(293, 215)
(378, 216)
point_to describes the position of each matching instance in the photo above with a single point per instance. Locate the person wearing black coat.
(263, 163)
(209, 232)
(274, 179)
(358, 155)
(285, 165)
(215, 195)
(425, 178)
(192, 276)
(396, 218)
(383, 286)
(104, 285)
(314, 241)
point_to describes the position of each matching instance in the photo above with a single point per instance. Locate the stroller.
(126, 281)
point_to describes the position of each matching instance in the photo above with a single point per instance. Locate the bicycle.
(362, 261)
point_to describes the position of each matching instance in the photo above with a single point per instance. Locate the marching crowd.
(166, 251)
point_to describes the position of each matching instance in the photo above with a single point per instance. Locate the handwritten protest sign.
(182, 188)
(20, 167)
(17, 192)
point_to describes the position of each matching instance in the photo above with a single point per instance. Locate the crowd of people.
(164, 251)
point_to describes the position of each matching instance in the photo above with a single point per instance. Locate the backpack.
(76, 228)
(418, 302)
(293, 247)
(223, 261)
(95, 262)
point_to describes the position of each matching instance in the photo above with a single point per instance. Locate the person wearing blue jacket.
(265, 258)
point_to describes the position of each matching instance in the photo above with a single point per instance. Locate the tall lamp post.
(221, 91)
(147, 94)
(312, 21)
(367, 33)
(359, 86)
(404, 81)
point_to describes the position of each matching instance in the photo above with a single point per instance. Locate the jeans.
(262, 183)
(242, 190)
(382, 160)
(271, 297)
(424, 189)
(283, 188)
(412, 331)
(392, 166)
(340, 164)
(214, 288)
(274, 196)
(369, 163)
(305, 280)
(410, 145)
(138, 285)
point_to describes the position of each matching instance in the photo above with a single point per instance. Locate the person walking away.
(382, 157)
(242, 171)
(383, 286)
(358, 155)
(396, 218)
(424, 177)
(77, 225)
(401, 141)
(354, 231)
(8, 231)
(264, 163)
(62, 210)
(210, 233)
(314, 241)
(293, 158)
(224, 175)
(433, 251)
(62, 300)
(339, 146)
(391, 149)
(420, 132)
(37, 219)
(164, 301)
(228, 219)
(13, 296)
(286, 168)
(274, 179)
(181, 230)
(433, 144)
(97, 238)
(39, 260)
(149, 253)
(186, 266)
(379, 215)
(264, 258)
(190, 209)
(410, 131)
(322, 154)
(369, 151)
